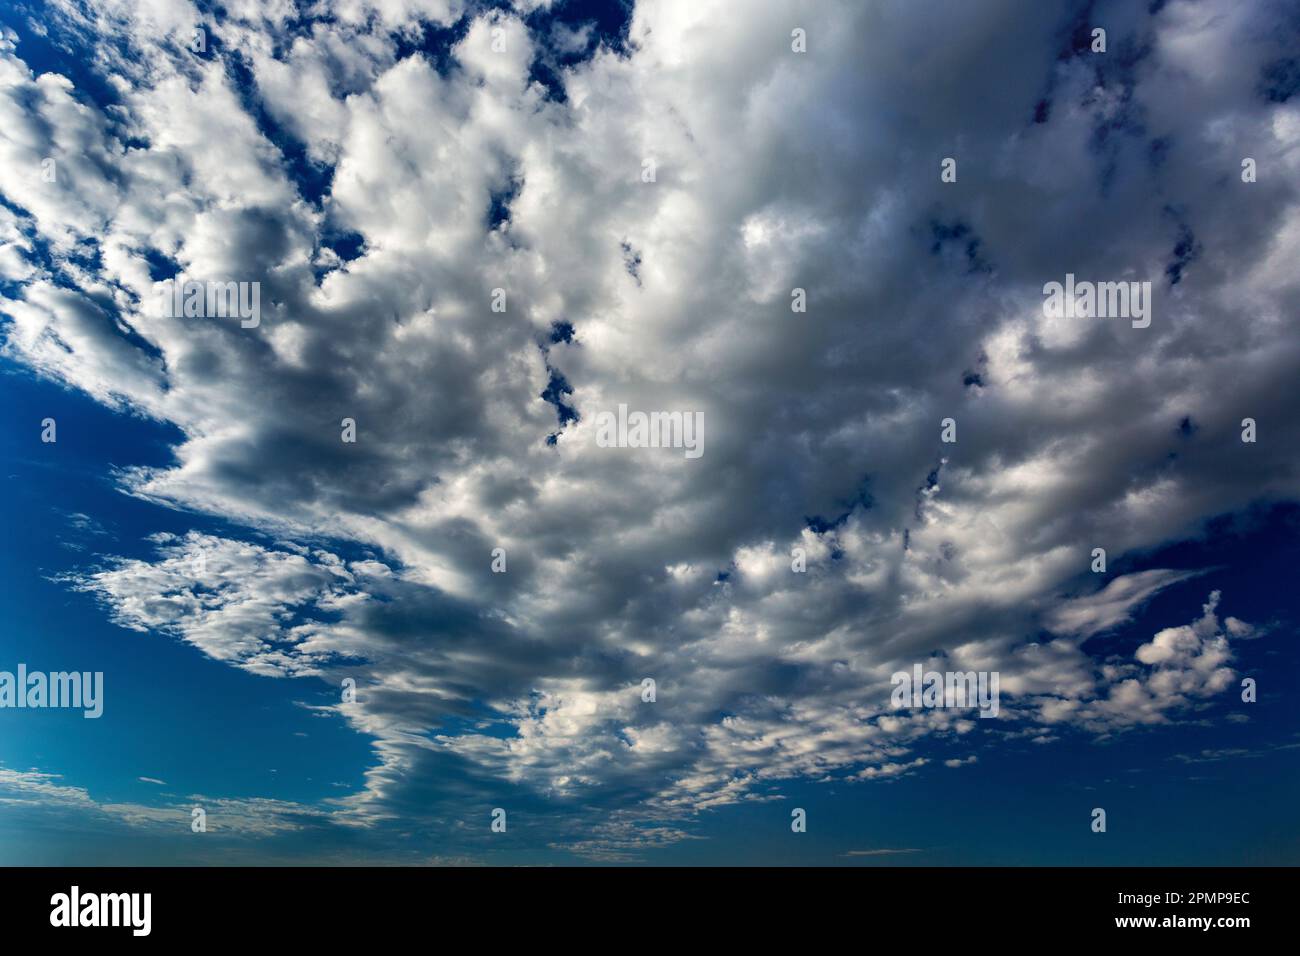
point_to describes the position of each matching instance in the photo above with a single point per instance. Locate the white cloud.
(773, 170)
(1114, 604)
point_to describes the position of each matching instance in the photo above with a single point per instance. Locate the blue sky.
(380, 170)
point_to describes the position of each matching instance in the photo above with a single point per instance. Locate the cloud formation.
(383, 171)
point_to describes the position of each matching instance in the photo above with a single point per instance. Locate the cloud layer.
(383, 171)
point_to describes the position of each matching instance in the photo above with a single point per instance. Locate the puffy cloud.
(1185, 665)
(382, 172)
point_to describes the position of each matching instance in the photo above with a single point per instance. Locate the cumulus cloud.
(1184, 665)
(381, 179)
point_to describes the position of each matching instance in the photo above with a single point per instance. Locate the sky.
(823, 230)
